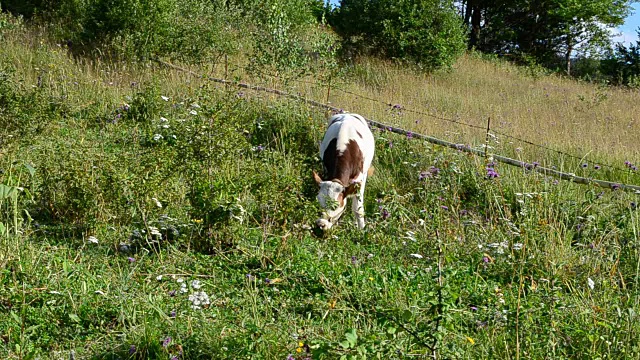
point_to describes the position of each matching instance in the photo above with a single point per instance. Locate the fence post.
(486, 139)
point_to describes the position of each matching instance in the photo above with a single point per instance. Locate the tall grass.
(140, 189)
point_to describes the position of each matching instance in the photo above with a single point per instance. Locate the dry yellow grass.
(582, 119)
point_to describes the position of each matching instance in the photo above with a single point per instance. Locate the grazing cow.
(346, 152)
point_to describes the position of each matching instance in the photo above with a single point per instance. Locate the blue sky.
(628, 30)
(625, 33)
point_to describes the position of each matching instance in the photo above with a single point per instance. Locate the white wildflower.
(183, 288)
(159, 277)
(180, 280)
(193, 112)
(154, 231)
(517, 246)
(98, 292)
(164, 98)
(53, 292)
(195, 106)
(370, 256)
(157, 137)
(165, 126)
(163, 119)
(591, 283)
(196, 284)
(92, 239)
(417, 256)
(158, 203)
(199, 299)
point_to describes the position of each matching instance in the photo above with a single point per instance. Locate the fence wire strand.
(465, 148)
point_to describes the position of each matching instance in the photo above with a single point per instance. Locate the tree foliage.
(427, 32)
(544, 29)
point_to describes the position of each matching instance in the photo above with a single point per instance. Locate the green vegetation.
(149, 213)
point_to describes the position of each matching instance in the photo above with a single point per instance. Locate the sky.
(625, 33)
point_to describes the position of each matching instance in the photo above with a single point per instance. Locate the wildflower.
(409, 135)
(199, 299)
(370, 256)
(385, 214)
(417, 256)
(444, 207)
(172, 293)
(164, 98)
(517, 246)
(585, 165)
(491, 173)
(267, 281)
(474, 308)
(180, 280)
(591, 283)
(132, 349)
(597, 167)
(390, 145)
(464, 212)
(633, 206)
(354, 260)
(173, 357)
(397, 107)
(157, 137)
(193, 112)
(183, 288)
(470, 340)
(196, 284)
(615, 186)
(240, 94)
(92, 239)
(158, 203)
(166, 341)
(434, 170)
(172, 314)
(131, 259)
(627, 163)
(485, 259)
(290, 357)
(163, 119)
(250, 277)
(535, 164)
(634, 168)
(195, 106)
(423, 175)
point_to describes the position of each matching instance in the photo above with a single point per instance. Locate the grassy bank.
(150, 214)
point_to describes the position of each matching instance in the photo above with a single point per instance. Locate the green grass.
(456, 265)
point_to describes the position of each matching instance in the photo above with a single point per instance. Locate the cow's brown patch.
(343, 166)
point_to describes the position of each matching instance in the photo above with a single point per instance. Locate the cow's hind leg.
(358, 205)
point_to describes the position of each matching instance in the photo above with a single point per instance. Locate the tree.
(543, 29)
(428, 32)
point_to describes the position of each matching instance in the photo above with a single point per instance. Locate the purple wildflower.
(409, 135)
(131, 259)
(627, 163)
(240, 94)
(397, 107)
(444, 207)
(389, 128)
(485, 259)
(172, 293)
(463, 212)
(267, 281)
(250, 277)
(634, 206)
(600, 195)
(615, 186)
(423, 175)
(597, 167)
(172, 314)
(634, 168)
(354, 260)
(385, 214)
(491, 173)
(173, 358)
(434, 170)
(390, 145)
(474, 308)
(535, 164)
(585, 165)
(166, 341)
(290, 357)
(132, 349)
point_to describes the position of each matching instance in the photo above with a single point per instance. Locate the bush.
(427, 32)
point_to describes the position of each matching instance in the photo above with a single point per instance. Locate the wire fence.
(461, 147)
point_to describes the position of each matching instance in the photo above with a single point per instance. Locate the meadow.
(147, 213)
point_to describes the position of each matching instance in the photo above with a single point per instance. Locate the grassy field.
(146, 213)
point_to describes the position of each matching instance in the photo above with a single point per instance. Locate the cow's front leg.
(358, 210)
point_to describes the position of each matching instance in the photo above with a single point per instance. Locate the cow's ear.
(317, 178)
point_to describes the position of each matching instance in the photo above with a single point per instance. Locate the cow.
(347, 152)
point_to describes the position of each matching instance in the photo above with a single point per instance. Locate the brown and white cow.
(346, 151)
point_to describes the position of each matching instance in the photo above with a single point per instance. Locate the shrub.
(427, 32)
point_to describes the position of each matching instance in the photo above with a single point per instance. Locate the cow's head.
(333, 200)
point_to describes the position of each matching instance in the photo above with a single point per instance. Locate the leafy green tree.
(428, 32)
(622, 64)
(543, 29)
